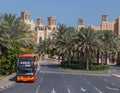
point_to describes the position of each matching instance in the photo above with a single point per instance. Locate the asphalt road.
(53, 80)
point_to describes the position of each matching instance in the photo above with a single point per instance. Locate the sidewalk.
(115, 75)
(115, 71)
(8, 81)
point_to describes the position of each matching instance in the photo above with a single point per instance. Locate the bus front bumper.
(25, 78)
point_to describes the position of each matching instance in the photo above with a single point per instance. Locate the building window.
(49, 28)
(26, 17)
(40, 28)
(53, 28)
(36, 28)
(40, 39)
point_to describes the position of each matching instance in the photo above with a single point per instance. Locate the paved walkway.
(115, 75)
(115, 71)
(7, 81)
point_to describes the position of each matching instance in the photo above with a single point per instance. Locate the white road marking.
(113, 83)
(105, 79)
(97, 90)
(89, 82)
(39, 84)
(53, 91)
(112, 88)
(37, 89)
(68, 89)
(65, 82)
(62, 75)
(82, 89)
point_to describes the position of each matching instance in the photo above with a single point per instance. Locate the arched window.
(26, 16)
(40, 39)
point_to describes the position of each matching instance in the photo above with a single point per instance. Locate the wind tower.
(40, 30)
(25, 16)
(80, 23)
(51, 27)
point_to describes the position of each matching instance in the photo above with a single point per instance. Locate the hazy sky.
(66, 11)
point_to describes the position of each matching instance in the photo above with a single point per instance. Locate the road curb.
(7, 86)
(115, 75)
(7, 82)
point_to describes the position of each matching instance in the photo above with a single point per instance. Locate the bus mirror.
(38, 66)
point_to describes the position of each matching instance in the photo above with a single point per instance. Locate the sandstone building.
(105, 25)
(25, 16)
(42, 32)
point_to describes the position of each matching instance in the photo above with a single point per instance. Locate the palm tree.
(68, 43)
(14, 36)
(115, 47)
(12, 29)
(88, 43)
(58, 37)
(60, 44)
(61, 29)
(111, 43)
(100, 49)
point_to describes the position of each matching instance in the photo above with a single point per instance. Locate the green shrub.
(82, 66)
(98, 67)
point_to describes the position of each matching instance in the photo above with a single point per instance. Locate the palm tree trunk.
(118, 59)
(106, 56)
(73, 56)
(87, 59)
(69, 57)
(63, 58)
(98, 56)
(92, 58)
(79, 57)
(101, 58)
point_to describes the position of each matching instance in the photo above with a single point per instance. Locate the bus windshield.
(25, 71)
(25, 62)
(26, 59)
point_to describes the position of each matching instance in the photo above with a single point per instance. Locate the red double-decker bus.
(27, 68)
